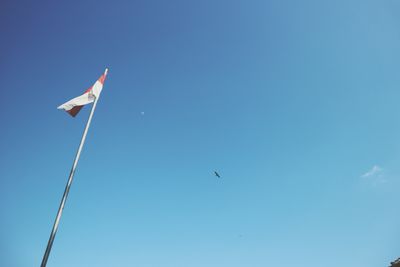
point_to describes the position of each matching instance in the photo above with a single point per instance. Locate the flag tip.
(105, 72)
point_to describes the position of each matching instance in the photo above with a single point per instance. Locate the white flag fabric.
(75, 105)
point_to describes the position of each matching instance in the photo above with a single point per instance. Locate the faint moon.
(142, 112)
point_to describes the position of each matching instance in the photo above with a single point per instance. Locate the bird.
(216, 174)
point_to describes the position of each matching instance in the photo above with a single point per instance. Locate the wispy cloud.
(374, 171)
(375, 175)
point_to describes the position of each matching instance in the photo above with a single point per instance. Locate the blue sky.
(295, 103)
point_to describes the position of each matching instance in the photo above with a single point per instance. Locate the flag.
(75, 105)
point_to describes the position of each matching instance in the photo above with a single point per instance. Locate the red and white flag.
(75, 105)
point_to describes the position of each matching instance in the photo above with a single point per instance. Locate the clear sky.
(295, 103)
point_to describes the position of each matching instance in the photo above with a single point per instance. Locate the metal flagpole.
(67, 187)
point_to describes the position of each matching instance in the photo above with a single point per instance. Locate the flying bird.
(216, 174)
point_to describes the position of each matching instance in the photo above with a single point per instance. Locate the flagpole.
(67, 187)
